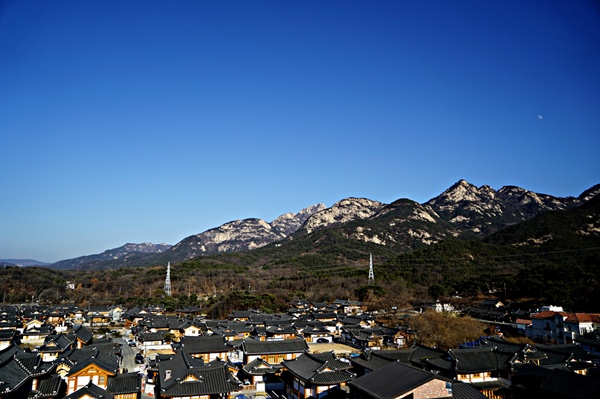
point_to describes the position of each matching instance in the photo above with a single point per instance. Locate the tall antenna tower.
(371, 274)
(168, 280)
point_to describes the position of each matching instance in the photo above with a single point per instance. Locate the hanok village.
(314, 350)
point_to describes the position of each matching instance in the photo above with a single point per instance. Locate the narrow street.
(128, 353)
(128, 361)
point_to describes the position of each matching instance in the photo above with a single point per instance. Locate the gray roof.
(107, 363)
(202, 379)
(49, 388)
(125, 383)
(204, 344)
(461, 390)
(255, 347)
(90, 390)
(567, 384)
(18, 367)
(319, 369)
(83, 333)
(260, 367)
(391, 381)
(468, 361)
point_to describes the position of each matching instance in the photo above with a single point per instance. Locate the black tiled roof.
(255, 347)
(260, 367)
(204, 344)
(56, 343)
(461, 390)
(438, 363)
(18, 369)
(9, 352)
(152, 336)
(474, 360)
(281, 329)
(90, 390)
(370, 361)
(83, 333)
(391, 381)
(49, 388)
(109, 364)
(565, 384)
(565, 352)
(124, 383)
(7, 335)
(502, 345)
(183, 375)
(319, 369)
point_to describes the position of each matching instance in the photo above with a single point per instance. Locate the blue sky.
(149, 121)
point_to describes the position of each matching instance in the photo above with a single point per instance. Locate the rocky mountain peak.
(341, 212)
(242, 235)
(590, 193)
(461, 191)
(481, 211)
(288, 223)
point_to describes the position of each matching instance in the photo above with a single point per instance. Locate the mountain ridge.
(462, 211)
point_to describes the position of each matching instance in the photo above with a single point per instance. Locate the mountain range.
(462, 212)
(22, 262)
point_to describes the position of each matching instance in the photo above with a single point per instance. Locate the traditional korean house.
(36, 334)
(56, 316)
(315, 375)
(99, 315)
(418, 356)
(190, 329)
(347, 306)
(82, 335)
(480, 367)
(182, 376)
(397, 380)
(7, 338)
(207, 348)
(532, 381)
(90, 391)
(273, 352)
(20, 371)
(125, 386)
(152, 339)
(10, 322)
(316, 332)
(258, 374)
(95, 370)
(53, 387)
(232, 330)
(54, 346)
(278, 333)
(242, 315)
(362, 337)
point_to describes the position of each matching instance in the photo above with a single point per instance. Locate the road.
(128, 362)
(128, 353)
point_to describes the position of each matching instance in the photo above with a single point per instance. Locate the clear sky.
(149, 121)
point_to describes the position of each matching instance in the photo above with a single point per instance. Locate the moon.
(540, 117)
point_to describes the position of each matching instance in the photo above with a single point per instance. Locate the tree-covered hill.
(553, 259)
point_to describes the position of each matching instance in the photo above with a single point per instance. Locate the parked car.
(139, 358)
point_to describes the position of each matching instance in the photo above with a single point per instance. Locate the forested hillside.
(554, 258)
